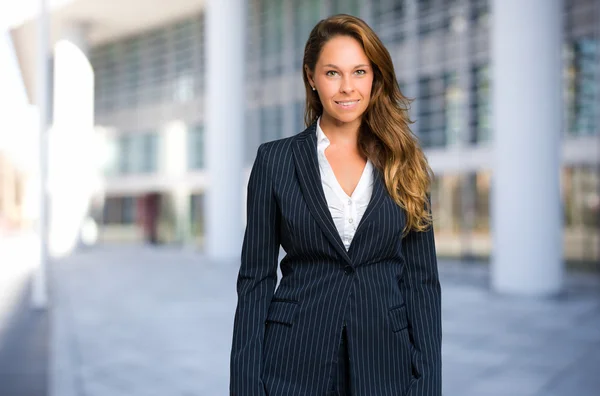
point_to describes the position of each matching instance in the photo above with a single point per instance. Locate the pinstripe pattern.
(384, 288)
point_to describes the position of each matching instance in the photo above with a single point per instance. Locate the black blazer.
(385, 288)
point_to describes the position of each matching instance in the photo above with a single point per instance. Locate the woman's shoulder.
(278, 147)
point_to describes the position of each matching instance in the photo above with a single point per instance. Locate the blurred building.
(11, 185)
(149, 77)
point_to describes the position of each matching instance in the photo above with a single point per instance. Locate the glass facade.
(387, 19)
(197, 214)
(119, 210)
(163, 68)
(133, 153)
(165, 64)
(583, 95)
(306, 15)
(435, 109)
(195, 146)
(481, 122)
(460, 203)
(581, 197)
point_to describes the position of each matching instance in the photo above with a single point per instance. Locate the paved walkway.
(157, 321)
(23, 331)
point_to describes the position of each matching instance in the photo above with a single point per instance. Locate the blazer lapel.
(309, 176)
(377, 198)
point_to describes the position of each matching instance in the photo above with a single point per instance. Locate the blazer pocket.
(282, 311)
(398, 318)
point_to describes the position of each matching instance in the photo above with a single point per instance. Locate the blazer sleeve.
(256, 280)
(421, 288)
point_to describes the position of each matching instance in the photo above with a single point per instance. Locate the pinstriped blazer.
(384, 288)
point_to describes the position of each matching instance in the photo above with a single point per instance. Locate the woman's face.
(343, 78)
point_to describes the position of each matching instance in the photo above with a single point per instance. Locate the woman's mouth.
(347, 104)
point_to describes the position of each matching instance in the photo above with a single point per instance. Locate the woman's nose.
(346, 86)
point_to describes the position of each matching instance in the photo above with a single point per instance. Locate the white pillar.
(183, 225)
(225, 106)
(174, 165)
(39, 289)
(468, 190)
(413, 55)
(73, 168)
(527, 109)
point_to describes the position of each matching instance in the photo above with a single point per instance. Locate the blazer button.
(348, 270)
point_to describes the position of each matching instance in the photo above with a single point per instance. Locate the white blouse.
(346, 211)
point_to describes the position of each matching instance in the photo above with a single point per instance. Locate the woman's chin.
(346, 118)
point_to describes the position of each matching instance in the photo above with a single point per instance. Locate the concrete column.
(462, 27)
(39, 287)
(174, 165)
(526, 42)
(225, 105)
(290, 80)
(73, 172)
(181, 201)
(412, 40)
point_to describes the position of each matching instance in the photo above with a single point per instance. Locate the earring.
(314, 89)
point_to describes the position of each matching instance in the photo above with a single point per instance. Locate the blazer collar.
(309, 176)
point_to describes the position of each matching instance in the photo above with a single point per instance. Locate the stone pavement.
(158, 321)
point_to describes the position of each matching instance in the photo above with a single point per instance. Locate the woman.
(357, 310)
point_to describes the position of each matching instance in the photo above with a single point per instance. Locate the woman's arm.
(256, 280)
(421, 288)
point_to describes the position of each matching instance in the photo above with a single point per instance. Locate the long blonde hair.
(385, 136)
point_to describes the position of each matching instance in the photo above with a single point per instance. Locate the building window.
(351, 7)
(149, 155)
(119, 210)
(299, 115)
(432, 111)
(480, 11)
(306, 15)
(481, 108)
(581, 197)
(388, 17)
(183, 80)
(163, 64)
(271, 123)
(200, 73)
(271, 36)
(137, 153)
(582, 92)
(132, 67)
(434, 17)
(157, 66)
(197, 214)
(454, 97)
(124, 154)
(106, 75)
(196, 147)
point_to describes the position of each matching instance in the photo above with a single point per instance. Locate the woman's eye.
(331, 73)
(361, 72)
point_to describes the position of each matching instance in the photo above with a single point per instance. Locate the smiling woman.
(344, 89)
(358, 308)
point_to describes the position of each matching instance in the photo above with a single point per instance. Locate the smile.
(347, 103)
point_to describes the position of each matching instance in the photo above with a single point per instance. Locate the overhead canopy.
(106, 20)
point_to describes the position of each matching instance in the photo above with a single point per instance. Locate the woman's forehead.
(343, 52)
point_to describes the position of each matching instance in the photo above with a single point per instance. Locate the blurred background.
(133, 157)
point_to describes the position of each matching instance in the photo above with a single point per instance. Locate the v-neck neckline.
(339, 190)
(358, 189)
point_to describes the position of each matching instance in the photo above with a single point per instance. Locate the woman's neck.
(340, 133)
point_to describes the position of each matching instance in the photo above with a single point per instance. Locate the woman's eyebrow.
(337, 67)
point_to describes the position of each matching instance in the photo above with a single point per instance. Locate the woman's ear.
(309, 76)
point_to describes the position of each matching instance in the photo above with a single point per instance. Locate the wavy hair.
(385, 137)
